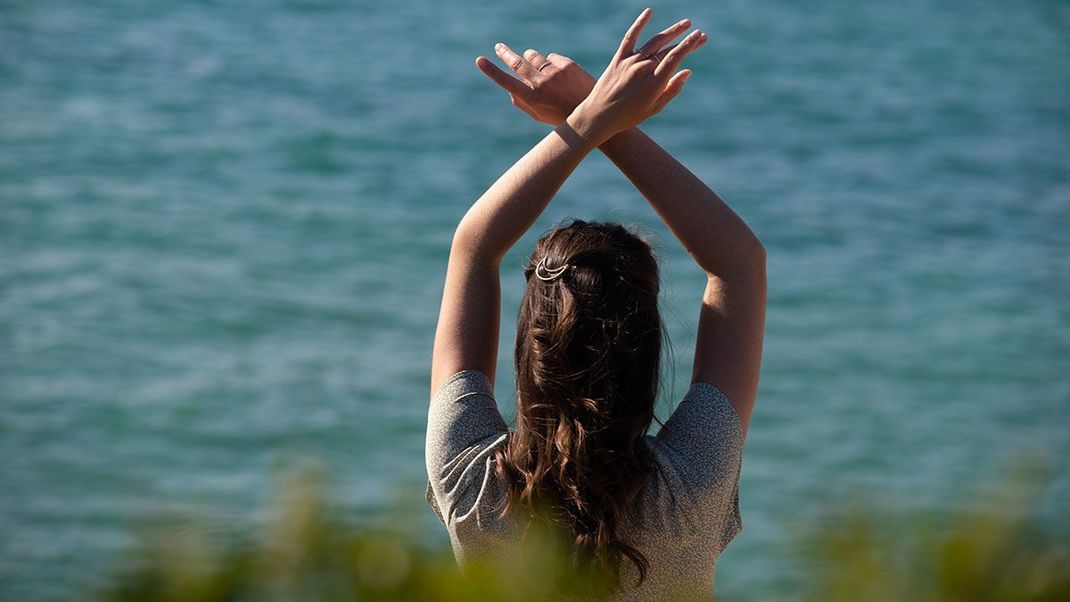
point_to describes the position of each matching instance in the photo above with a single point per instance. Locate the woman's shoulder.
(464, 431)
(462, 413)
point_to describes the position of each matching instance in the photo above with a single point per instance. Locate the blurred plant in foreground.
(304, 552)
(997, 551)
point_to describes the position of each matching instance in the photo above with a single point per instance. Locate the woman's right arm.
(728, 349)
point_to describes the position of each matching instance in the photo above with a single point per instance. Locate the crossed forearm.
(715, 236)
(718, 240)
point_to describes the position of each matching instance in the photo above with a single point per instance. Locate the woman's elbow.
(473, 244)
(757, 255)
(747, 260)
(752, 259)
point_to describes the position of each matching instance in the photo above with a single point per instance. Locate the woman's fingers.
(537, 60)
(673, 57)
(664, 51)
(672, 89)
(514, 61)
(654, 44)
(559, 60)
(631, 37)
(511, 84)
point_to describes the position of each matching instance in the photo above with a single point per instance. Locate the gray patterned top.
(690, 510)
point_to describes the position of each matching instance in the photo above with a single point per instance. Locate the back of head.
(588, 351)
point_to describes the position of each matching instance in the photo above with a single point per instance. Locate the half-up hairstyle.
(588, 350)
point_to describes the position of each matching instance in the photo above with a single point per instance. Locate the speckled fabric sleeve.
(705, 437)
(463, 425)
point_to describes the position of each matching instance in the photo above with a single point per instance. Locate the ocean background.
(225, 227)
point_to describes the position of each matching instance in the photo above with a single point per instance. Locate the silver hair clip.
(546, 275)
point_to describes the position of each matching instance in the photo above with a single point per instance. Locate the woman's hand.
(634, 86)
(550, 87)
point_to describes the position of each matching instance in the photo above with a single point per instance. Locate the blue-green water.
(225, 227)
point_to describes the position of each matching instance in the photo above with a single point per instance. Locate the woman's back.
(689, 511)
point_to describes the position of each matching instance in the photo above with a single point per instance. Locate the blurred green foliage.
(998, 550)
(303, 551)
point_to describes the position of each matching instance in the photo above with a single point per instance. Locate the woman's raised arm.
(728, 346)
(467, 333)
(632, 88)
(732, 318)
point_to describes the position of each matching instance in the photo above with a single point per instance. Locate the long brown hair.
(588, 351)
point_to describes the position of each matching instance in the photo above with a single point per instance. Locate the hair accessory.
(547, 275)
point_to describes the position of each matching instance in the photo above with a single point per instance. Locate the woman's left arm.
(467, 333)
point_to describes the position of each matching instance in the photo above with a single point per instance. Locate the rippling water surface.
(225, 226)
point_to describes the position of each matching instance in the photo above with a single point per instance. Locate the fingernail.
(684, 22)
(498, 46)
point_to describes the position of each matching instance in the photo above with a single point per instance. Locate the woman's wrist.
(589, 126)
(621, 141)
